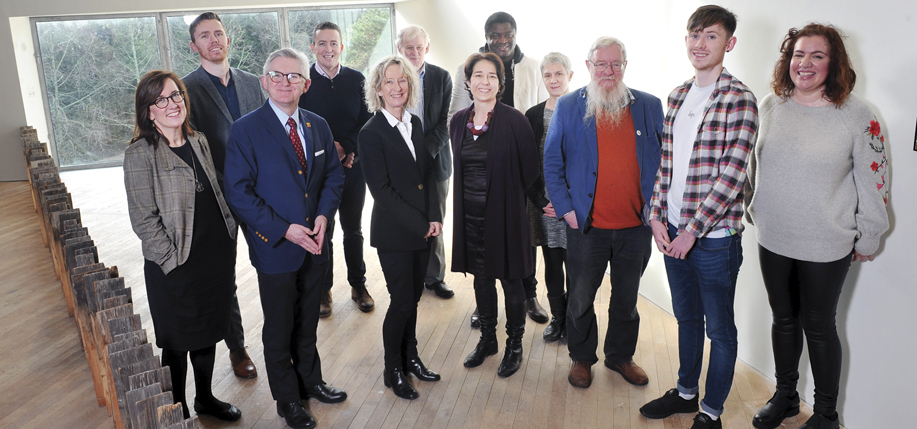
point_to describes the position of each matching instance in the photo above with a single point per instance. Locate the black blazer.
(403, 189)
(437, 94)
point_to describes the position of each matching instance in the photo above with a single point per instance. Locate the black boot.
(780, 406)
(399, 383)
(487, 345)
(515, 328)
(557, 329)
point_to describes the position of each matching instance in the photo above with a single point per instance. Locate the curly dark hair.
(148, 90)
(841, 76)
(485, 56)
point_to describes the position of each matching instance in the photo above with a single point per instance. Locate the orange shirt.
(618, 202)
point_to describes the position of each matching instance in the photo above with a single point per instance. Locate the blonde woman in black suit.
(398, 171)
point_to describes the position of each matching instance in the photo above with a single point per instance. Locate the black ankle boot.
(774, 411)
(399, 383)
(515, 328)
(487, 345)
(557, 329)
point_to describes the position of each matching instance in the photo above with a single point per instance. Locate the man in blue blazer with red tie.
(284, 181)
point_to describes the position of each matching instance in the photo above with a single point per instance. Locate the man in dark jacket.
(432, 109)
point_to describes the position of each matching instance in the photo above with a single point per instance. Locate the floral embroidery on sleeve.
(877, 144)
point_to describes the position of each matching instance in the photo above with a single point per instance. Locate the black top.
(474, 197)
(228, 94)
(340, 102)
(190, 306)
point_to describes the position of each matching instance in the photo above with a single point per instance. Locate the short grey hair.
(606, 42)
(377, 76)
(410, 32)
(287, 53)
(556, 58)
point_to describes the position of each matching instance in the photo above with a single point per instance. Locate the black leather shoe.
(361, 296)
(441, 290)
(557, 329)
(416, 367)
(217, 408)
(296, 415)
(475, 319)
(818, 421)
(399, 384)
(325, 393)
(668, 404)
(774, 411)
(536, 311)
(481, 351)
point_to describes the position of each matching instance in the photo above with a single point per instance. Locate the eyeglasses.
(176, 97)
(293, 78)
(604, 66)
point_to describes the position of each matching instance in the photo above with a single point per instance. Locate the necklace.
(470, 125)
(198, 186)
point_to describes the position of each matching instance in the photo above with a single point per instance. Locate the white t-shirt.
(687, 123)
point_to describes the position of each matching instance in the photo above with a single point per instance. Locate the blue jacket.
(571, 153)
(266, 187)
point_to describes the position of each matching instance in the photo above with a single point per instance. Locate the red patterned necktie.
(297, 145)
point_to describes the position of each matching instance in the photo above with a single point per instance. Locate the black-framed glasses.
(616, 66)
(176, 97)
(293, 78)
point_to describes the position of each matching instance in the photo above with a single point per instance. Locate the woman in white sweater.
(817, 191)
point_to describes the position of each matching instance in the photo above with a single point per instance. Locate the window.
(367, 33)
(91, 65)
(91, 70)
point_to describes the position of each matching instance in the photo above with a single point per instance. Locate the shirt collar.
(282, 116)
(393, 121)
(321, 71)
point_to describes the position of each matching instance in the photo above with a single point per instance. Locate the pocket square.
(319, 152)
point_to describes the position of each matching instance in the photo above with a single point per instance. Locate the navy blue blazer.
(266, 187)
(571, 153)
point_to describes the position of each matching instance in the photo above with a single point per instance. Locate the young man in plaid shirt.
(696, 214)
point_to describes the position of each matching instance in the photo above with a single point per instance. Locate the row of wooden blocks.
(129, 379)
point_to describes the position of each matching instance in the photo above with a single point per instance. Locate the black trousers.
(485, 295)
(404, 275)
(350, 213)
(290, 303)
(803, 296)
(554, 278)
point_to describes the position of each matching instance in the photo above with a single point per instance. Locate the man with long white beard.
(601, 155)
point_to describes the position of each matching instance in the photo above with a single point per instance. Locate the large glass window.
(367, 33)
(252, 36)
(91, 65)
(91, 69)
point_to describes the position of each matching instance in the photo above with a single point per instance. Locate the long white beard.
(611, 101)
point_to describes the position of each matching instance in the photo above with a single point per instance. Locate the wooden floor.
(45, 381)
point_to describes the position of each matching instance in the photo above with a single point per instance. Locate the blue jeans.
(703, 287)
(628, 251)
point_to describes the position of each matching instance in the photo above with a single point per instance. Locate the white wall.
(875, 321)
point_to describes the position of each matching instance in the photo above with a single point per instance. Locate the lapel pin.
(308, 125)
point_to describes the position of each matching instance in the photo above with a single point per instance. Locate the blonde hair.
(377, 77)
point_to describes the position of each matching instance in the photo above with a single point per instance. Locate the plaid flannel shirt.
(717, 169)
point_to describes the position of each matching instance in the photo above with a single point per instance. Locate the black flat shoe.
(441, 290)
(778, 408)
(325, 393)
(416, 367)
(399, 383)
(217, 408)
(295, 415)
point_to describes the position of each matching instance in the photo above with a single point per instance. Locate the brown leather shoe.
(631, 372)
(580, 374)
(242, 365)
(324, 309)
(360, 295)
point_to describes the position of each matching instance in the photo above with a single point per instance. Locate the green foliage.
(365, 34)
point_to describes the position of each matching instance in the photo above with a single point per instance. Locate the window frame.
(165, 49)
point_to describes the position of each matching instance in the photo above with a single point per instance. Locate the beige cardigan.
(160, 199)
